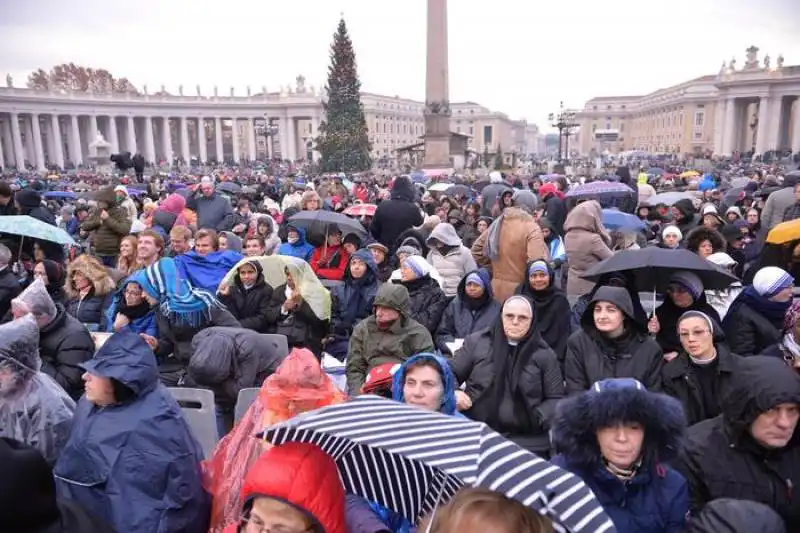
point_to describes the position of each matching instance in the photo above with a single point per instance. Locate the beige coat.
(586, 243)
(521, 241)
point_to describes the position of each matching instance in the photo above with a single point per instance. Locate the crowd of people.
(679, 410)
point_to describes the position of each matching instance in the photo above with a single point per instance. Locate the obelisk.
(437, 90)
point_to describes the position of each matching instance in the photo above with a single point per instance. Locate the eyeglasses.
(696, 334)
(253, 524)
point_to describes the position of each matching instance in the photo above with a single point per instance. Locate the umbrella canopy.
(670, 198)
(605, 188)
(617, 220)
(440, 187)
(361, 210)
(784, 232)
(321, 221)
(689, 174)
(740, 182)
(653, 267)
(459, 190)
(33, 228)
(229, 187)
(415, 466)
(63, 195)
(274, 268)
(656, 171)
(480, 185)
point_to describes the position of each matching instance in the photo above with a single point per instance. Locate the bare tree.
(70, 77)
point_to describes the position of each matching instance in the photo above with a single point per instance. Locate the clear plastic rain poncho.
(298, 386)
(36, 300)
(34, 408)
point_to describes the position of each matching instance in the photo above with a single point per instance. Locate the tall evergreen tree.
(499, 163)
(343, 142)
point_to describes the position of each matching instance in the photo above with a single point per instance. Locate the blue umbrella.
(655, 171)
(26, 226)
(617, 220)
(63, 195)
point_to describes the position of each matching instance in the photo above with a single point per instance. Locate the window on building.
(471, 130)
(594, 128)
(594, 108)
(621, 127)
(699, 118)
(487, 135)
(608, 107)
(384, 127)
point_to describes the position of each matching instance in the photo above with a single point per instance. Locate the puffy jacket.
(591, 357)
(9, 289)
(135, 464)
(727, 515)
(454, 263)
(333, 269)
(109, 232)
(227, 360)
(748, 332)
(586, 242)
(64, 344)
(300, 249)
(427, 301)
(250, 306)
(352, 301)
(460, 321)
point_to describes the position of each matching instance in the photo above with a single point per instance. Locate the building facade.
(42, 128)
(755, 108)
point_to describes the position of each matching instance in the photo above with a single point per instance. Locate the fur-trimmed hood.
(94, 271)
(579, 417)
(702, 233)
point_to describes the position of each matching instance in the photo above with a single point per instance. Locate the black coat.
(250, 306)
(556, 213)
(458, 321)
(681, 383)
(668, 314)
(539, 386)
(749, 333)
(64, 344)
(394, 216)
(301, 326)
(91, 310)
(9, 289)
(722, 460)
(426, 303)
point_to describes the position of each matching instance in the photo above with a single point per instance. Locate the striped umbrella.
(424, 459)
(361, 210)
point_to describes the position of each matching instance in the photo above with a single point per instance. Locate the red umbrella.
(361, 210)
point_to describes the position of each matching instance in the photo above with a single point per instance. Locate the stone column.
(251, 139)
(93, 129)
(763, 125)
(719, 125)
(235, 139)
(77, 149)
(30, 153)
(167, 140)
(185, 152)
(58, 146)
(283, 131)
(201, 139)
(131, 144)
(314, 134)
(268, 137)
(774, 132)
(37, 142)
(149, 140)
(8, 139)
(218, 139)
(437, 88)
(796, 127)
(291, 139)
(114, 134)
(19, 153)
(730, 127)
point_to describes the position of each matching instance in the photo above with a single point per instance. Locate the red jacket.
(302, 475)
(337, 259)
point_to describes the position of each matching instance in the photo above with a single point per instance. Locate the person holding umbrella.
(330, 260)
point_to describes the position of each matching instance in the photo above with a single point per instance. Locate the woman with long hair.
(126, 262)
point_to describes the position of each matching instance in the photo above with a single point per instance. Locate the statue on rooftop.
(779, 62)
(180, 90)
(216, 92)
(198, 90)
(248, 90)
(9, 81)
(751, 60)
(301, 83)
(232, 91)
(144, 89)
(766, 61)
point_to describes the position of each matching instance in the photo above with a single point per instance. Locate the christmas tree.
(343, 142)
(499, 162)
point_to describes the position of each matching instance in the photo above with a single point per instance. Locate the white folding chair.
(198, 408)
(280, 343)
(243, 402)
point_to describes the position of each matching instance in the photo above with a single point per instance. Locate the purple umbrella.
(609, 194)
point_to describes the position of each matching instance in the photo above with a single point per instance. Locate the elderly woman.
(153, 482)
(89, 291)
(512, 377)
(619, 438)
(586, 242)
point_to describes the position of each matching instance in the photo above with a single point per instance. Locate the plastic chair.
(280, 343)
(243, 402)
(198, 408)
(330, 283)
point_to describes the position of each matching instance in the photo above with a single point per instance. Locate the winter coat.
(9, 289)
(303, 328)
(394, 216)
(556, 212)
(668, 314)
(301, 249)
(721, 300)
(250, 306)
(722, 459)
(136, 464)
(91, 308)
(371, 346)
(586, 242)
(656, 499)
(552, 311)
(460, 321)
(776, 206)
(539, 384)
(454, 264)
(337, 259)
(592, 357)
(490, 194)
(727, 515)
(144, 324)
(227, 360)
(214, 213)
(30, 204)
(108, 233)
(748, 332)
(427, 302)
(352, 301)
(520, 241)
(64, 344)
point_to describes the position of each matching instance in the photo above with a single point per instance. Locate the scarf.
(492, 247)
(133, 312)
(206, 272)
(177, 298)
(624, 474)
(789, 344)
(772, 311)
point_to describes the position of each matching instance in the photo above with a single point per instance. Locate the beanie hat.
(476, 279)
(672, 230)
(121, 188)
(734, 209)
(771, 280)
(538, 266)
(407, 249)
(418, 265)
(710, 209)
(688, 281)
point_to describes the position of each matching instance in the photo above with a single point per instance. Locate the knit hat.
(352, 238)
(688, 281)
(418, 265)
(538, 266)
(734, 209)
(121, 188)
(476, 279)
(710, 209)
(672, 230)
(407, 249)
(771, 280)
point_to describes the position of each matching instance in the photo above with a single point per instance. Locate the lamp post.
(268, 130)
(564, 122)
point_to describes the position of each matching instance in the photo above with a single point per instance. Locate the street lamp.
(564, 121)
(268, 130)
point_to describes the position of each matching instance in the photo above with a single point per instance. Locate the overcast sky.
(516, 56)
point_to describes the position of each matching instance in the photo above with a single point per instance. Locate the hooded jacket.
(586, 242)
(448, 406)
(592, 357)
(108, 233)
(353, 300)
(300, 249)
(371, 346)
(250, 306)
(90, 309)
(146, 323)
(30, 203)
(464, 316)
(453, 262)
(64, 344)
(234, 241)
(136, 464)
(552, 311)
(723, 460)
(656, 499)
(394, 216)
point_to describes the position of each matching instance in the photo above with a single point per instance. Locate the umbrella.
(63, 195)
(617, 220)
(27, 226)
(593, 189)
(413, 467)
(311, 220)
(273, 268)
(740, 182)
(459, 190)
(670, 198)
(780, 234)
(689, 174)
(361, 210)
(480, 185)
(439, 187)
(653, 268)
(655, 171)
(229, 187)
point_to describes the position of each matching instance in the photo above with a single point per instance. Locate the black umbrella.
(652, 267)
(318, 225)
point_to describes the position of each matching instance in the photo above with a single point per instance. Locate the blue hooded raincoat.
(135, 465)
(300, 249)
